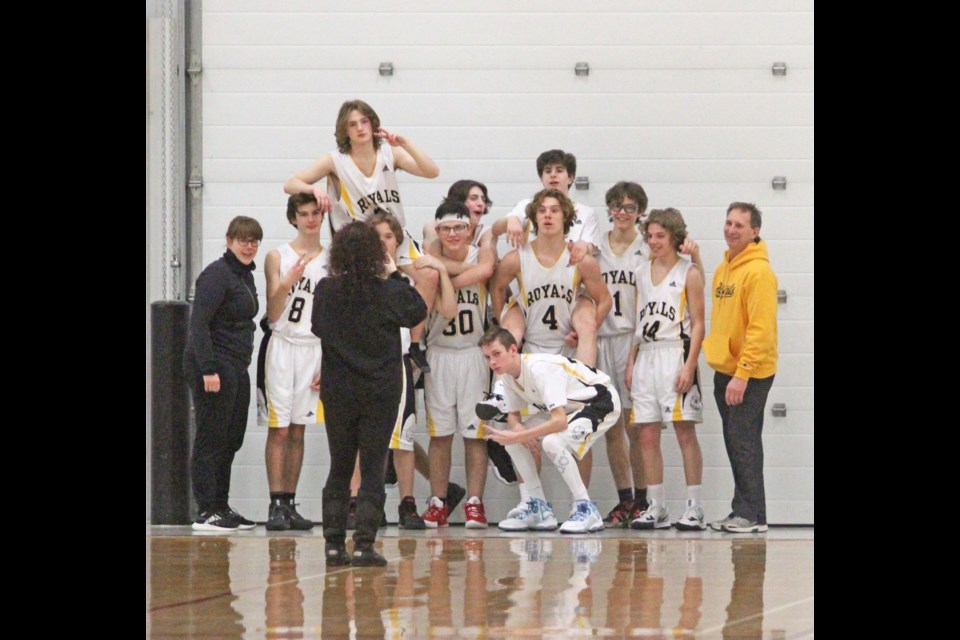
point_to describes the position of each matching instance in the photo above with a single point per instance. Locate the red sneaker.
(436, 514)
(476, 516)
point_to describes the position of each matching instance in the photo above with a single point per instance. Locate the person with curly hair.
(357, 313)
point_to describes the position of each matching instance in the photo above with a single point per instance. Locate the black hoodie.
(221, 322)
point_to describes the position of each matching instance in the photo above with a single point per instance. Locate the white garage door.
(680, 97)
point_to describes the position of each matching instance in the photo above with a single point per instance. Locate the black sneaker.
(242, 523)
(500, 463)
(336, 554)
(367, 558)
(493, 407)
(383, 519)
(419, 357)
(215, 521)
(278, 519)
(409, 518)
(455, 494)
(297, 521)
(390, 476)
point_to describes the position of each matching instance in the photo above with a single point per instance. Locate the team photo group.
(530, 349)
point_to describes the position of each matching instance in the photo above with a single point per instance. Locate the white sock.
(523, 462)
(693, 493)
(473, 500)
(558, 453)
(655, 493)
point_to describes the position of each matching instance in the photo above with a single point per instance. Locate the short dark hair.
(632, 190)
(244, 228)
(452, 206)
(557, 156)
(749, 207)
(496, 333)
(671, 220)
(294, 202)
(569, 212)
(460, 190)
(340, 133)
(382, 215)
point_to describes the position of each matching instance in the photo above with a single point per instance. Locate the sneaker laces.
(581, 512)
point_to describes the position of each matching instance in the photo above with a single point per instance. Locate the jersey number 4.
(550, 318)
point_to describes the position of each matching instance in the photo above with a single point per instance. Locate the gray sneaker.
(718, 524)
(742, 525)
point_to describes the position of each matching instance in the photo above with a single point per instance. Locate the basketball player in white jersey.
(547, 288)
(622, 250)
(581, 403)
(458, 375)
(662, 368)
(292, 366)
(557, 170)
(475, 196)
(547, 284)
(361, 176)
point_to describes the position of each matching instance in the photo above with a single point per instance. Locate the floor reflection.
(436, 586)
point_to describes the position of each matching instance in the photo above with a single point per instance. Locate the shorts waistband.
(660, 344)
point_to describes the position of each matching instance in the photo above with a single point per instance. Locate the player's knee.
(278, 435)
(650, 436)
(585, 324)
(686, 435)
(295, 434)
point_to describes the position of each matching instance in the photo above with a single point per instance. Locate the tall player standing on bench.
(361, 175)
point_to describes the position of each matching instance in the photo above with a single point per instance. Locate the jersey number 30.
(465, 320)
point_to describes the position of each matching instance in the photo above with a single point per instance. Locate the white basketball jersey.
(619, 274)
(585, 227)
(466, 328)
(547, 296)
(359, 195)
(294, 324)
(662, 312)
(478, 235)
(548, 381)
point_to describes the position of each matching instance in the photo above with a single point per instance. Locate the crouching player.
(582, 403)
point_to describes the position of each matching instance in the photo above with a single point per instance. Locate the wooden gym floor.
(460, 583)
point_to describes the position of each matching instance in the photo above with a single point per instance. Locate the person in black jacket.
(218, 352)
(357, 313)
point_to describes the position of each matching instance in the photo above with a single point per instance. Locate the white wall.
(680, 98)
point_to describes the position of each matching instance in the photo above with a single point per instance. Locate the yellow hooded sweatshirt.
(743, 321)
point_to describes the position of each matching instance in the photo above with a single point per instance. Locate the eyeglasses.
(457, 229)
(248, 243)
(626, 208)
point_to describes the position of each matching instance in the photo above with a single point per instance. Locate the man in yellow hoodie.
(742, 350)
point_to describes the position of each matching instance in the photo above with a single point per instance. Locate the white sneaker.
(692, 519)
(655, 517)
(718, 524)
(534, 514)
(584, 518)
(742, 525)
